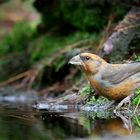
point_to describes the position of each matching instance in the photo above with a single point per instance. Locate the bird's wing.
(117, 75)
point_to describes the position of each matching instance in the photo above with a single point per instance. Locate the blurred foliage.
(14, 50)
(137, 57)
(17, 40)
(118, 12)
(59, 63)
(81, 16)
(63, 23)
(78, 15)
(46, 45)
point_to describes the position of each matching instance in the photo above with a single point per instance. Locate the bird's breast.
(116, 92)
(95, 84)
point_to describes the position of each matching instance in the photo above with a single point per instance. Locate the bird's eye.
(84, 58)
(87, 58)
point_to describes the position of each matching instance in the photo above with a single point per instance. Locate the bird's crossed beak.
(76, 60)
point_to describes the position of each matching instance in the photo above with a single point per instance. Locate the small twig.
(33, 73)
(19, 76)
(33, 77)
(106, 32)
(126, 28)
(75, 45)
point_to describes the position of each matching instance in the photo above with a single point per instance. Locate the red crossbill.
(113, 81)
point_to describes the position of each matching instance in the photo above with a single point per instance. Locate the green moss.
(86, 91)
(101, 100)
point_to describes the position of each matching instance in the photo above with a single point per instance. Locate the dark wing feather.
(116, 75)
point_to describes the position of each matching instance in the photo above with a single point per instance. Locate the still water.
(24, 123)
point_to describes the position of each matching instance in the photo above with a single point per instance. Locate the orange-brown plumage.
(114, 81)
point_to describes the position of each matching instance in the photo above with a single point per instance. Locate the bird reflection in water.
(110, 128)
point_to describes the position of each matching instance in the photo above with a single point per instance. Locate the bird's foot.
(124, 101)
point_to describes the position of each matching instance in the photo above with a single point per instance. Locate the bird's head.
(91, 63)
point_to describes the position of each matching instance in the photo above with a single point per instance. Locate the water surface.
(23, 122)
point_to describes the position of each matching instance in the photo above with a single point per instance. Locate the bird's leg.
(124, 101)
(96, 96)
(126, 120)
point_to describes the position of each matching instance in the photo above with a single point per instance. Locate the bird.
(116, 82)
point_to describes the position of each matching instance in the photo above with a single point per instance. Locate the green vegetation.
(46, 45)
(136, 99)
(89, 16)
(64, 24)
(17, 40)
(86, 92)
(137, 57)
(14, 50)
(83, 17)
(136, 121)
(24, 44)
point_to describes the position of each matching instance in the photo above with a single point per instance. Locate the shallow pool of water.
(22, 122)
